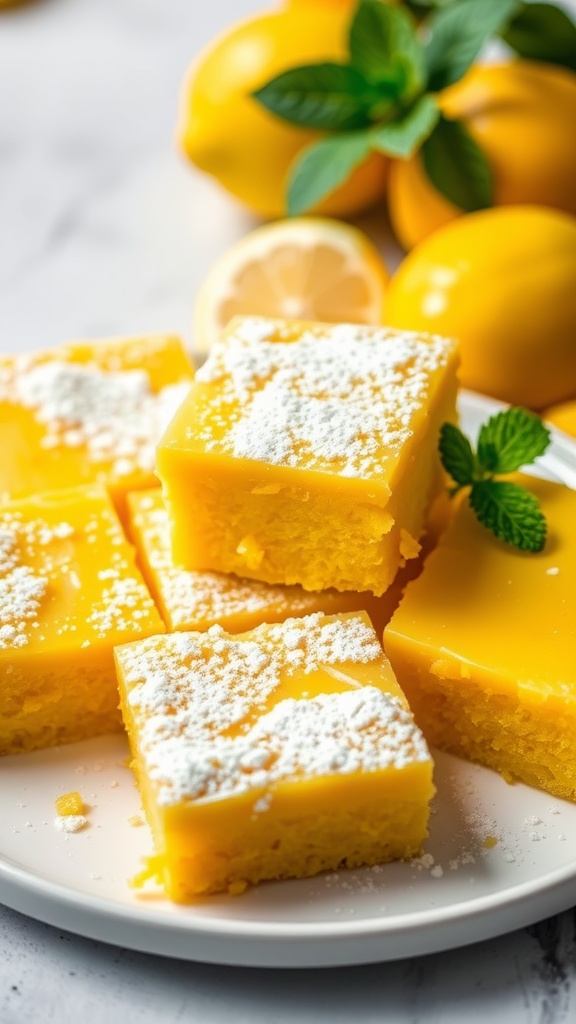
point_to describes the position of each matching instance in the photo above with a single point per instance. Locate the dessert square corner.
(280, 752)
(308, 453)
(69, 591)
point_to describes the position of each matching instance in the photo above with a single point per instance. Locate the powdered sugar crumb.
(70, 822)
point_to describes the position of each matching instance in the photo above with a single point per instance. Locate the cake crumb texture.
(69, 591)
(307, 453)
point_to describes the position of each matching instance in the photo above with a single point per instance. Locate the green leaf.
(511, 512)
(457, 167)
(324, 166)
(456, 455)
(511, 439)
(385, 47)
(418, 4)
(543, 32)
(401, 138)
(332, 97)
(457, 33)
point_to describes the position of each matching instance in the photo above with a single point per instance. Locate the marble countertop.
(105, 231)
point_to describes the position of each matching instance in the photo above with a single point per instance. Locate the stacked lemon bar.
(270, 737)
(304, 456)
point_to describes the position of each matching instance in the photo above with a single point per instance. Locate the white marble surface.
(104, 230)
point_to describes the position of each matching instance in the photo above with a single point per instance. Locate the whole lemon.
(502, 281)
(522, 115)
(563, 416)
(228, 134)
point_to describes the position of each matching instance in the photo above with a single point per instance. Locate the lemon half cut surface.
(308, 268)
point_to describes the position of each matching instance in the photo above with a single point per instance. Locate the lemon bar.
(198, 600)
(279, 752)
(88, 413)
(484, 646)
(69, 591)
(307, 453)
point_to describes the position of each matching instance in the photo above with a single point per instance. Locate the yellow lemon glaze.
(69, 591)
(316, 764)
(484, 646)
(88, 412)
(307, 453)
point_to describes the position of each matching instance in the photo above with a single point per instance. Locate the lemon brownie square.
(307, 453)
(279, 752)
(192, 600)
(484, 646)
(69, 591)
(88, 413)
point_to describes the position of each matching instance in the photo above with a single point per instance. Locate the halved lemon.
(308, 268)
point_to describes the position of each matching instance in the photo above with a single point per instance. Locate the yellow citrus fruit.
(228, 134)
(502, 281)
(522, 114)
(563, 416)
(309, 268)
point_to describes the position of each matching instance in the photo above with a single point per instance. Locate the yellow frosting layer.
(69, 591)
(484, 645)
(307, 453)
(88, 412)
(280, 752)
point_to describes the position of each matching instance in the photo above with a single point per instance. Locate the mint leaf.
(456, 455)
(457, 33)
(384, 46)
(543, 32)
(457, 167)
(417, 4)
(508, 440)
(324, 166)
(512, 513)
(511, 439)
(401, 138)
(333, 97)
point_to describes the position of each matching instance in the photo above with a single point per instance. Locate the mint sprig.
(506, 442)
(383, 97)
(543, 32)
(457, 33)
(457, 166)
(328, 96)
(384, 45)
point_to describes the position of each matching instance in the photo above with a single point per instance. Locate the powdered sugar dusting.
(115, 416)
(334, 398)
(208, 725)
(21, 591)
(46, 574)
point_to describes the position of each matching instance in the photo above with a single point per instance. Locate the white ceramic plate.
(499, 857)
